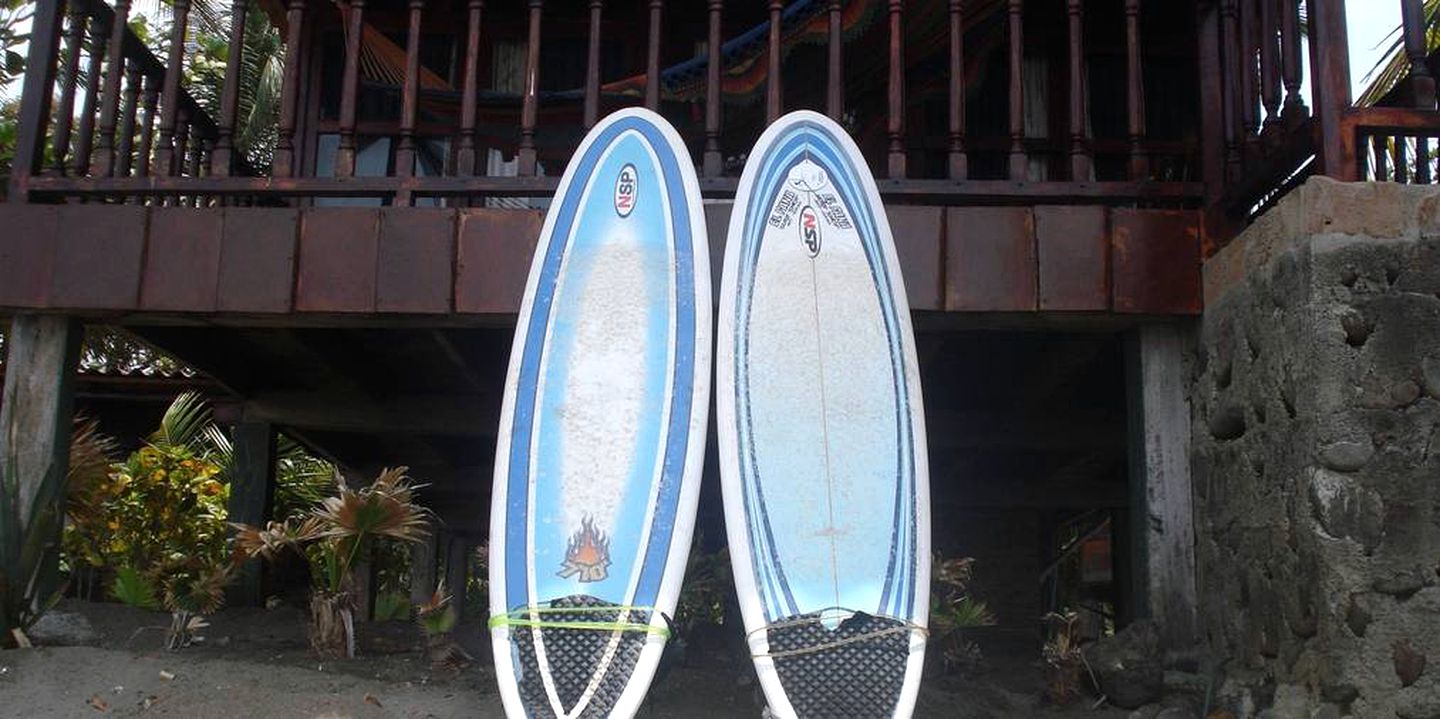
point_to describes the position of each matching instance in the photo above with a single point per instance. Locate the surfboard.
(602, 429)
(821, 431)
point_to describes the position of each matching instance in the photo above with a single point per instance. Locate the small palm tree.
(336, 536)
(1394, 65)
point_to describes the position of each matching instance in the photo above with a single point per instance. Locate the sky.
(1370, 24)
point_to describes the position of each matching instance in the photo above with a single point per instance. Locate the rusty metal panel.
(182, 260)
(1156, 260)
(717, 225)
(990, 259)
(98, 254)
(1073, 250)
(493, 258)
(27, 254)
(918, 241)
(339, 248)
(416, 271)
(257, 259)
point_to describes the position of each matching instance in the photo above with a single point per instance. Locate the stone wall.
(1316, 456)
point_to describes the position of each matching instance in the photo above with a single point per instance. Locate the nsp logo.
(810, 229)
(627, 186)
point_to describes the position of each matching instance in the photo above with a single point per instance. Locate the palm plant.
(30, 578)
(953, 610)
(1394, 65)
(336, 536)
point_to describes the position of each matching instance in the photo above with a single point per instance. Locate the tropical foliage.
(30, 578)
(953, 610)
(1064, 660)
(336, 536)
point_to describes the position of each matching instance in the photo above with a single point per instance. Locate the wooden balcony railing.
(137, 134)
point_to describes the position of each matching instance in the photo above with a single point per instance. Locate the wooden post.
(252, 491)
(1213, 146)
(457, 568)
(350, 89)
(1019, 163)
(34, 113)
(465, 156)
(423, 557)
(36, 415)
(592, 67)
(959, 166)
(835, 69)
(1330, 73)
(1163, 535)
(1422, 83)
(406, 149)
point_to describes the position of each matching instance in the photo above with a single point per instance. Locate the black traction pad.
(573, 655)
(826, 680)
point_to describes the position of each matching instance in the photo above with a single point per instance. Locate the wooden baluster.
(33, 116)
(1422, 83)
(465, 156)
(170, 97)
(1019, 164)
(1233, 92)
(1422, 160)
(69, 83)
(94, 70)
(110, 99)
(1211, 66)
(182, 142)
(1397, 159)
(895, 124)
(350, 88)
(526, 156)
(652, 58)
(222, 158)
(410, 97)
(1269, 63)
(1330, 89)
(1079, 143)
(1250, 78)
(195, 147)
(284, 164)
(592, 67)
(1294, 110)
(1377, 146)
(773, 89)
(959, 169)
(714, 164)
(1139, 163)
(835, 77)
(149, 98)
(125, 148)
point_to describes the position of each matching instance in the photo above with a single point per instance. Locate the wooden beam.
(252, 493)
(417, 414)
(1163, 551)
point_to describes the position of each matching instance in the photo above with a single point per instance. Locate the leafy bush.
(953, 610)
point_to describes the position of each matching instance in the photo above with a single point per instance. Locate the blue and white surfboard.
(597, 468)
(821, 431)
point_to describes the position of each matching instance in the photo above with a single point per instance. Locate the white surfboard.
(821, 431)
(602, 431)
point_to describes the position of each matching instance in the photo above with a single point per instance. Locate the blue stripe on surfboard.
(677, 440)
(783, 154)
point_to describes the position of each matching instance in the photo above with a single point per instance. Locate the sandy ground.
(255, 663)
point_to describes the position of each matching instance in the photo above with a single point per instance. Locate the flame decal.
(588, 554)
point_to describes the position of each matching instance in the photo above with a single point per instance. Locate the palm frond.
(132, 587)
(1394, 66)
(184, 422)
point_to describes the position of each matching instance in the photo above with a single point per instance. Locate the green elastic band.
(529, 617)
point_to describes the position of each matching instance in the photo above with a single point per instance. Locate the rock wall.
(1316, 456)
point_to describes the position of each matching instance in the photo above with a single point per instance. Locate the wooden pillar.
(39, 81)
(252, 491)
(1330, 73)
(1162, 531)
(36, 415)
(423, 557)
(457, 568)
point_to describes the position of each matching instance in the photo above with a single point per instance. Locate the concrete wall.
(1316, 455)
